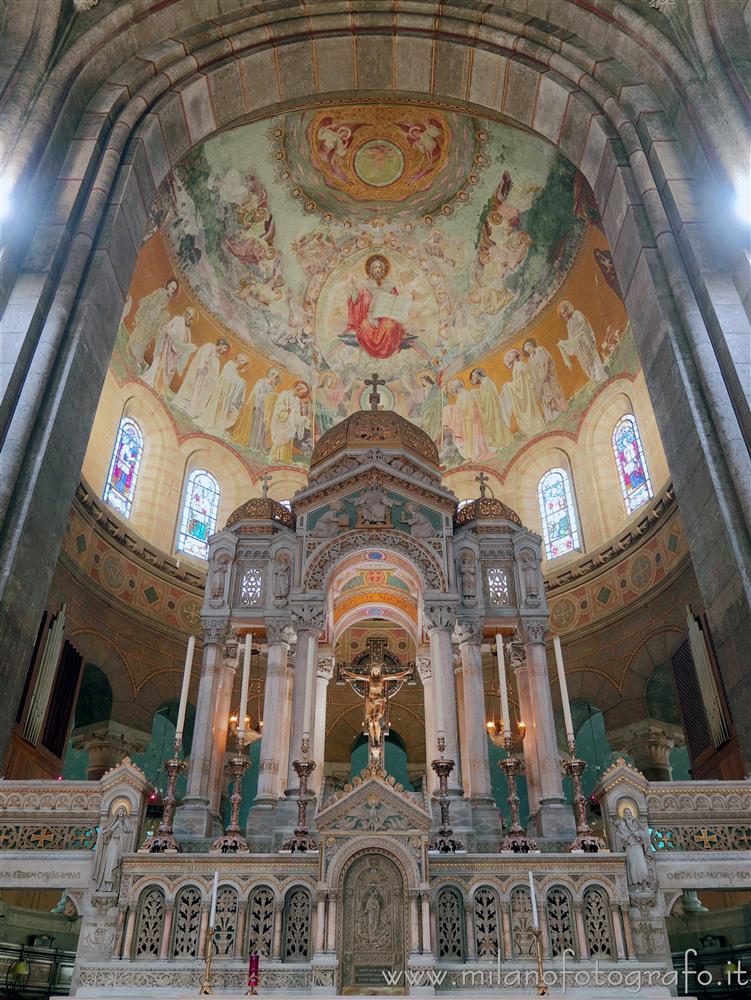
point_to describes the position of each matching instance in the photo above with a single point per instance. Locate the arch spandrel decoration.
(326, 558)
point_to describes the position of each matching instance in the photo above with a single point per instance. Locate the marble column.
(273, 738)
(308, 622)
(285, 724)
(649, 742)
(555, 818)
(224, 707)
(169, 915)
(276, 951)
(440, 620)
(426, 676)
(130, 927)
(106, 744)
(474, 732)
(531, 769)
(193, 816)
(324, 674)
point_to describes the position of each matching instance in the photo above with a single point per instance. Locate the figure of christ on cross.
(376, 702)
(266, 480)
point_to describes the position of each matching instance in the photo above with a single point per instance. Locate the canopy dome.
(366, 429)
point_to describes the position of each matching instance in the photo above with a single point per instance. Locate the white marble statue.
(114, 842)
(635, 842)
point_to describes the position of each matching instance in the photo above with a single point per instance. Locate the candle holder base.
(207, 982)
(516, 841)
(542, 989)
(445, 842)
(232, 840)
(161, 843)
(301, 840)
(586, 841)
(164, 840)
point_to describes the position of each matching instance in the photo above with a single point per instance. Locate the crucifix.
(266, 480)
(482, 479)
(374, 398)
(376, 696)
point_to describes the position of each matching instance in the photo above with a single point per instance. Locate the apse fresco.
(461, 259)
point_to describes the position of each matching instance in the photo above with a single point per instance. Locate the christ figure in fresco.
(377, 314)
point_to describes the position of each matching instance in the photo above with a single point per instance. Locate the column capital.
(214, 629)
(533, 629)
(280, 631)
(469, 631)
(310, 617)
(439, 616)
(326, 667)
(424, 668)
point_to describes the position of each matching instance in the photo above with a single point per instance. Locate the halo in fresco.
(287, 260)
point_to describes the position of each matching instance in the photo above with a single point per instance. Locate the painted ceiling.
(287, 260)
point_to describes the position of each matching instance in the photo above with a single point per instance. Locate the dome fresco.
(286, 260)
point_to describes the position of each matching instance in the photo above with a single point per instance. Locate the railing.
(699, 815)
(49, 815)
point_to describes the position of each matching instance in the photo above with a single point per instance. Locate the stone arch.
(324, 562)
(569, 92)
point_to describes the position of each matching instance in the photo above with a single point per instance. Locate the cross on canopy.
(374, 398)
(266, 480)
(482, 479)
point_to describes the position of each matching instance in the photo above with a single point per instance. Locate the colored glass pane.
(120, 487)
(631, 463)
(559, 528)
(200, 509)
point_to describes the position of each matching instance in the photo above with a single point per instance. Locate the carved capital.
(214, 629)
(468, 631)
(280, 631)
(439, 616)
(533, 629)
(326, 667)
(424, 668)
(309, 616)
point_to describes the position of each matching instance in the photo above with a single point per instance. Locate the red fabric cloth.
(381, 339)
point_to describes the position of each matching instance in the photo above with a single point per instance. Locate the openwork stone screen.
(450, 926)
(498, 588)
(150, 924)
(260, 922)
(251, 586)
(487, 925)
(597, 924)
(187, 923)
(226, 921)
(521, 922)
(296, 945)
(560, 922)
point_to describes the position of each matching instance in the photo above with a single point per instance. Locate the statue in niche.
(335, 519)
(468, 578)
(282, 572)
(531, 575)
(636, 846)
(115, 841)
(419, 525)
(218, 578)
(373, 506)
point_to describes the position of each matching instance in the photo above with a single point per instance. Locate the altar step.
(571, 993)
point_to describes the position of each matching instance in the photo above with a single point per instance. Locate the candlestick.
(244, 689)
(214, 890)
(309, 676)
(184, 689)
(533, 896)
(506, 720)
(232, 840)
(445, 842)
(542, 989)
(564, 688)
(164, 842)
(207, 981)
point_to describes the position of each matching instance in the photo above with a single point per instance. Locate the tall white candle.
(310, 672)
(533, 896)
(506, 720)
(244, 689)
(184, 690)
(564, 688)
(214, 890)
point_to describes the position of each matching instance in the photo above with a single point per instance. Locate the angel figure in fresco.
(290, 422)
(227, 397)
(203, 375)
(580, 343)
(376, 316)
(333, 143)
(464, 419)
(313, 250)
(489, 400)
(519, 398)
(542, 371)
(171, 353)
(252, 242)
(428, 409)
(151, 315)
(425, 137)
(502, 249)
(254, 423)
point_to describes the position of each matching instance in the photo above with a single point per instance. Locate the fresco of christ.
(376, 316)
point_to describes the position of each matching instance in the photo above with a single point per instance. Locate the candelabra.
(207, 982)
(232, 840)
(301, 840)
(542, 989)
(164, 842)
(516, 840)
(445, 842)
(586, 840)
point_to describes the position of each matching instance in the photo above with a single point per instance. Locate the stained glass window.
(559, 527)
(120, 486)
(631, 463)
(200, 509)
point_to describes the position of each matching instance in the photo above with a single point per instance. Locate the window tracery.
(487, 924)
(150, 924)
(122, 476)
(559, 523)
(199, 513)
(631, 463)
(450, 926)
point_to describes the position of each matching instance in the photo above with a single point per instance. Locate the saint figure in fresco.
(226, 398)
(464, 419)
(542, 371)
(290, 423)
(428, 410)
(202, 377)
(519, 398)
(171, 353)
(580, 343)
(376, 314)
(489, 401)
(152, 314)
(330, 396)
(254, 423)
